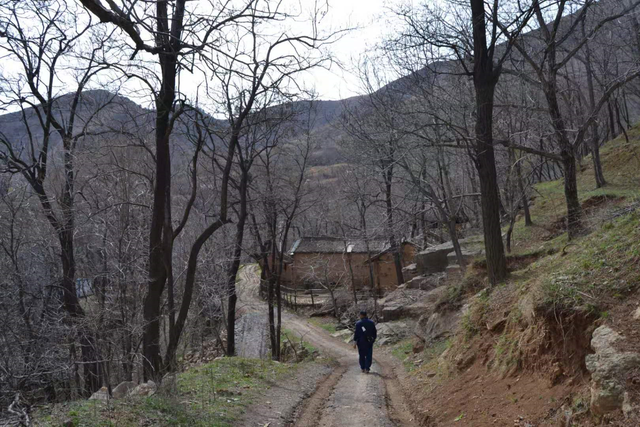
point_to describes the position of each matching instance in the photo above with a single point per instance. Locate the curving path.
(345, 397)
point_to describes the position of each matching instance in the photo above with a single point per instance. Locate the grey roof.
(335, 245)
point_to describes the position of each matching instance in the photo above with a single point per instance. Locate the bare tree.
(281, 194)
(469, 38)
(547, 52)
(43, 41)
(174, 33)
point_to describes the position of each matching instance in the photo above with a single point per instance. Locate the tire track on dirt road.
(347, 397)
(344, 397)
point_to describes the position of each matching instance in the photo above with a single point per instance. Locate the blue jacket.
(365, 332)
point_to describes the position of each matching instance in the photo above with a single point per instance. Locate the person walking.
(364, 336)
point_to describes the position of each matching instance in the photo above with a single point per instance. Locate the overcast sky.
(369, 17)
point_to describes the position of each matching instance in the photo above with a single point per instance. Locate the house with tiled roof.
(316, 261)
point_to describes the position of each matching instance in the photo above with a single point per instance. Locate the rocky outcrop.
(391, 332)
(345, 335)
(436, 258)
(123, 389)
(467, 255)
(410, 271)
(609, 369)
(405, 303)
(144, 390)
(425, 283)
(437, 325)
(169, 385)
(102, 394)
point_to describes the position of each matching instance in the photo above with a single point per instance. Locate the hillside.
(523, 353)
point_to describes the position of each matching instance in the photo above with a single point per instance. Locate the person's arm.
(375, 331)
(356, 334)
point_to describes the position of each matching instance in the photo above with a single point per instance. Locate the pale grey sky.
(369, 17)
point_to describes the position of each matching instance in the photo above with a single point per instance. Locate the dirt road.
(344, 397)
(252, 328)
(347, 397)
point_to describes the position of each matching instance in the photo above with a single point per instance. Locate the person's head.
(363, 314)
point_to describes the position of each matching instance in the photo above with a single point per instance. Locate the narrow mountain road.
(347, 397)
(252, 328)
(343, 397)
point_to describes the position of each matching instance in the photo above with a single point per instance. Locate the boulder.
(392, 312)
(102, 394)
(435, 326)
(385, 341)
(391, 328)
(342, 334)
(467, 255)
(123, 389)
(169, 385)
(454, 272)
(410, 271)
(144, 390)
(411, 268)
(433, 259)
(425, 283)
(391, 332)
(410, 303)
(608, 368)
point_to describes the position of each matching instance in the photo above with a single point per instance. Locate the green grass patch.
(289, 338)
(328, 324)
(215, 395)
(595, 268)
(401, 351)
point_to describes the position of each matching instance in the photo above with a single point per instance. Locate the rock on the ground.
(389, 329)
(454, 272)
(410, 271)
(437, 325)
(608, 368)
(342, 334)
(410, 303)
(467, 256)
(390, 332)
(636, 314)
(433, 259)
(123, 389)
(102, 394)
(425, 283)
(144, 390)
(169, 384)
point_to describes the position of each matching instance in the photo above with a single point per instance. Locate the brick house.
(329, 260)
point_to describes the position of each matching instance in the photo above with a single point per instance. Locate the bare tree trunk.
(397, 261)
(485, 79)
(595, 144)
(235, 264)
(574, 210)
(161, 203)
(525, 197)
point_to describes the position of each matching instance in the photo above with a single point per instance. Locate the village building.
(314, 262)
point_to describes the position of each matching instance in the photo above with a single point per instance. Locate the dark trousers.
(365, 350)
